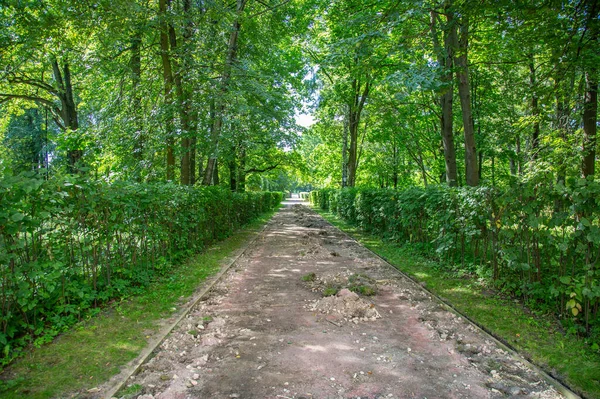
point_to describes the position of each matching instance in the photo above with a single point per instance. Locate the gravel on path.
(267, 331)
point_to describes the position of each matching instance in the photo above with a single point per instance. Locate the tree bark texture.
(590, 102)
(136, 99)
(360, 94)
(445, 60)
(68, 110)
(224, 88)
(168, 86)
(535, 112)
(464, 92)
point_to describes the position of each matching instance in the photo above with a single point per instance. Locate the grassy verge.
(536, 337)
(94, 350)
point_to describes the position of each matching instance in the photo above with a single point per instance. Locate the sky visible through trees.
(466, 127)
(402, 93)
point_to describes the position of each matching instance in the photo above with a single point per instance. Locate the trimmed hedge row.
(68, 245)
(541, 243)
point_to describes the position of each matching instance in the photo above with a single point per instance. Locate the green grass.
(536, 337)
(309, 277)
(94, 350)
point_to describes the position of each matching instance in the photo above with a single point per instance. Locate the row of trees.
(151, 89)
(524, 74)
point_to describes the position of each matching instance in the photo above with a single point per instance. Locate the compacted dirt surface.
(267, 331)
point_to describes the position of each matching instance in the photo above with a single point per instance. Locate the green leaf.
(17, 217)
(565, 279)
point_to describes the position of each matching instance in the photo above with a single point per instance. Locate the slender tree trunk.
(193, 142)
(168, 86)
(68, 109)
(590, 102)
(200, 166)
(462, 74)
(535, 137)
(445, 60)
(241, 187)
(136, 99)
(590, 120)
(215, 176)
(345, 154)
(233, 173)
(394, 162)
(224, 88)
(355, 109)
(563, 88)
(181, 66)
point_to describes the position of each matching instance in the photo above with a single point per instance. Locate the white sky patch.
(305, 120)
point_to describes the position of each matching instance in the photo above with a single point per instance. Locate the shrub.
(536, 241)
(68, 245)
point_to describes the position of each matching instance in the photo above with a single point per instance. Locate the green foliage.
(362, 284)
(525, 242)
(533, 334)
(69, 245)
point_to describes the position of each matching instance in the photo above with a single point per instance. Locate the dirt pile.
(348, 305)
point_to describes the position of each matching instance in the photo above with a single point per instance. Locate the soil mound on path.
(348, 305)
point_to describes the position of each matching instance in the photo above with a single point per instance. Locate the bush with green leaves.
(537, 241)
(69, 245)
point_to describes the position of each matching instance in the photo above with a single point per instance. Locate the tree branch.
(269, 8)
(49, 105)
(256, 170)
(35, 83)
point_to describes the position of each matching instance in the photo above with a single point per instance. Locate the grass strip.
(535, 336)
(94, 350)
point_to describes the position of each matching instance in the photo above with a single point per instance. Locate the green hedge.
(69, 245)
(534, 241)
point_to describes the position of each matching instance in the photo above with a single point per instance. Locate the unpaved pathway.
(262, 333)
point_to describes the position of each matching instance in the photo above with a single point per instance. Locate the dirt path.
(262, 333)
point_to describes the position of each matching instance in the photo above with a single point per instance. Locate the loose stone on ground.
(267, 331)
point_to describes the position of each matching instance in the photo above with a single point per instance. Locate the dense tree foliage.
(424, 96)
(478, 119)
(455, 91)
(151, 90)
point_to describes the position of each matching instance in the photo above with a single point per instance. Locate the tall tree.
(590, 103)
(464, 92)
(445, 57)
(167, 70)
(220, 103)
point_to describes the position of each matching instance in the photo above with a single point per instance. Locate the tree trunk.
(590, 119)
(68, 109)
(360, 95)
(136, 99)
(394, 162)
(445, 60)
(241, 187)
(590, 102)
(215, 176)
(345, 154)
(224, 88)
(462, 74)
(168, 86)
(535, 137)
(181, 67)
(233, 173)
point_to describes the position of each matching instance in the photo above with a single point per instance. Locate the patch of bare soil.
(267, 332)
